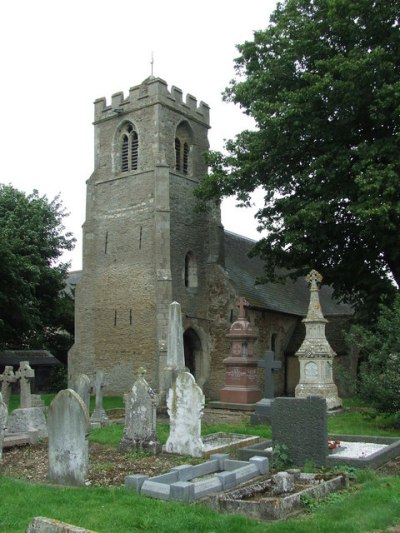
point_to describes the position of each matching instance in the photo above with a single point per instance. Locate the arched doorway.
(193, 353)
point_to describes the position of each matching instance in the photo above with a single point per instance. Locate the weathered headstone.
(315, 353)
(3, 420)
(263, 410)
(81, 385)
(40, 524)
(99, 414)
(175, 349)
(7, 378)
(68, 426)
(185, 404)
(301, 424)
(140, 418)
(25, 374)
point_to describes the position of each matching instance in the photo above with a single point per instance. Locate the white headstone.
(68, 426)
(3, 420)
(99, 414)
(140, 417)
(25, 374)
(185, 404)
(81, 385)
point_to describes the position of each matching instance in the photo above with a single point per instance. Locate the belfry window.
(129, 149)
(183, 143)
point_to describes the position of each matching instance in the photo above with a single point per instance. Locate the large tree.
(34, 308)
(322, 83)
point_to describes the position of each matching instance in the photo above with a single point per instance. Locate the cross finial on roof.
(152, 63)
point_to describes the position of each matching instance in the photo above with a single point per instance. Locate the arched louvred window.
(190, 270)
(129, 146)
(134, 150)
(125, 153)
(185, 158)
(177, 154)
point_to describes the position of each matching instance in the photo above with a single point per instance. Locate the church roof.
(290, 297)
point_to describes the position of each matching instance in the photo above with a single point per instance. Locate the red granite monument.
(241, 386)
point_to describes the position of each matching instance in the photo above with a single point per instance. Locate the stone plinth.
(241, 386)
(315, 354)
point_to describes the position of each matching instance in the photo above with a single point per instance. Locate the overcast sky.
(58, 56)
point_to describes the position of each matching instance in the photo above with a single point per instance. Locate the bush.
(380, 348)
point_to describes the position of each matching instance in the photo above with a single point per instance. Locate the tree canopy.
(322, 83)
(33, 303)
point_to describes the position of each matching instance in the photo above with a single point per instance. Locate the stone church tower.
(144, 245)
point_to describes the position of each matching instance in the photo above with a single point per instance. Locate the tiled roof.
(290, 297)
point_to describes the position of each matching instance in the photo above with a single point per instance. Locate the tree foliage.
(380, 345)
(34, 309)
(322, 83)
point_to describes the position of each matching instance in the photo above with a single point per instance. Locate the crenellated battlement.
(151, 91)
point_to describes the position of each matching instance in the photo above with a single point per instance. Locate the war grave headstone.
(99, 416)
(140, 418)
(263, 412)
(68, 425)
(81, 385)
(7, 378)
(185, 403)
(26, 419)
(3, 420)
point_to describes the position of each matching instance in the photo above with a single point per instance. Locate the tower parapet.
(151, 91)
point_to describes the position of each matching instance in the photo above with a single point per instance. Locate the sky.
(58, 56)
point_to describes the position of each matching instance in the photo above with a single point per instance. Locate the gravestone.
(41, 524)
(7, 378)
(301, 424)
(315, 353)
(185, 403)
(175, 349)
(263, 410)
(81, 385)
(25, 374)
(99, 416)
(3, 420)
(140, 418)
(68, 426)
(26, 419)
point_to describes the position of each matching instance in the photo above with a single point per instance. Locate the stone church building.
(145, 246)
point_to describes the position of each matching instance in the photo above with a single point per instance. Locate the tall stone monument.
(175, 349)
(315, 354)
(263, 410)
(241, 385)
(99, 415)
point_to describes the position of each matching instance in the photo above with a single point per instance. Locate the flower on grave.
(333, 444)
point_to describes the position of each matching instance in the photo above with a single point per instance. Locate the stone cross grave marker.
(269, 365)
(3, 420)
(99, 415)
(25, 374)
(140, 418)
(81, 385)
(175, 350)
(301, 424)
(68, 426)
(185, 404)
(7, 378)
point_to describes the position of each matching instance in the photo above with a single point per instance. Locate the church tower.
(144, 244)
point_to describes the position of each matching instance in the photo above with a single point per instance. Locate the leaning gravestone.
(185, 404)
(301, 424)
(140, 418)
(68, 426)
(7, 378)
(81, 385)
(99, 415)
(3, 420)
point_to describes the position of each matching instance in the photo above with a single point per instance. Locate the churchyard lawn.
(371, 504)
